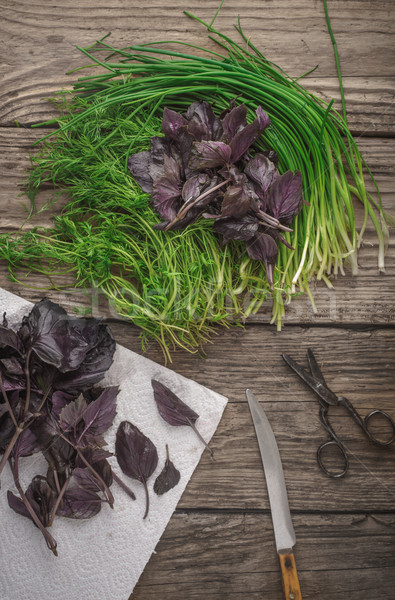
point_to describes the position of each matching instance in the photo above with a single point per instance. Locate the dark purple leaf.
(138, 165)
(17, 505)
(202, 122)
(57, 338)
(263, 247)
(208, 155)
(100, 413)
(7, 430)
(41, 498)
(97, 361)
(26, 444)
(193, 187)
(285, 196)
(13, 367)
(173, 410)
(167, 478)
(167, 189)
(237, 229)
(86, 479)
(237, 201)
(72, 414)
(9, 343)
(234, 121)
(247, 136)
(79, 503)
(172, 122)
(59, 400)
(263, 173)
(136, 455)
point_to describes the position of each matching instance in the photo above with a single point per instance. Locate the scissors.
(315, 380)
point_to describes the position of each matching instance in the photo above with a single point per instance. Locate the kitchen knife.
(281, 516)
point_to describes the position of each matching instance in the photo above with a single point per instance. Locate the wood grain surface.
(219, 544)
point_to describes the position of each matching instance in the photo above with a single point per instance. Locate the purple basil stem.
(174, 411)
(136, 455)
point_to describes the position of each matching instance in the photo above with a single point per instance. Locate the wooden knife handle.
(289, 575)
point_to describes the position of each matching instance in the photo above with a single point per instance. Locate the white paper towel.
(102, 558)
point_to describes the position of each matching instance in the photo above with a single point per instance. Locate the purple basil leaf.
(168, 477)
(97, 361)
(18, 505)
(72, 414)
(237, 201)
(41, 497)
(285, 196)
(7, 430)
(13, 367)
(136, 455)
(192, 188)
(26, 444)
(58, 453)
(167, 189)
(58, 339)
(263, 247)
(201, 121)
(208, 155)
(234, 121)
(173, 410)
(84, 478)
(262, 172)
(93, 456)
(100, 413)
(59, 400)
(79, 503)
(172, 122)
(138, 165)
(237, 229)
(247, 136)
(9, 342)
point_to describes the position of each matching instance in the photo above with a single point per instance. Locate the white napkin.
(102, 558)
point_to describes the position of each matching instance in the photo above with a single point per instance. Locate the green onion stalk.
(177, 285)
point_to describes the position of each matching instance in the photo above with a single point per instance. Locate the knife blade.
(281, 516)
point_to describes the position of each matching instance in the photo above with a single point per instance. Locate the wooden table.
(219, 543)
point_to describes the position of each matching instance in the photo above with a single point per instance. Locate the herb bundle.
(175, 285)
(202, 163)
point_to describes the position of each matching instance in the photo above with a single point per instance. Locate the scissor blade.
(315, 384)
(281, 516)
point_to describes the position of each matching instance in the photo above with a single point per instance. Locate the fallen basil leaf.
(136, 455)
(174, 411)
(168, 477)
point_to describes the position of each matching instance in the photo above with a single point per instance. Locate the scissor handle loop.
(388, 418)
(333, 474)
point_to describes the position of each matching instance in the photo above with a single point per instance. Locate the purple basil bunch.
(202, 166)
(48, 404)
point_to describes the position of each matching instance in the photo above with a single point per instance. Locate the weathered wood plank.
(233, 556)
(43, 40)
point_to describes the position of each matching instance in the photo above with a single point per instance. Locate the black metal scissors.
(315, 380)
